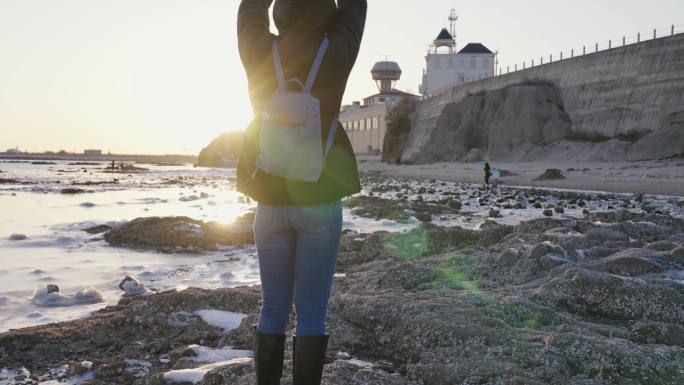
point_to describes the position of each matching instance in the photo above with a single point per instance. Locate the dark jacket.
(298, 46)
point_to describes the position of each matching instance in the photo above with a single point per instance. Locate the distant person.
(297, 165)
(487, 173)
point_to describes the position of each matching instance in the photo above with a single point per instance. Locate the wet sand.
(649, 177)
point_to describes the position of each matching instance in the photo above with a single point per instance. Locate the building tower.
(386, 74)
(451, 67)
(445, 39)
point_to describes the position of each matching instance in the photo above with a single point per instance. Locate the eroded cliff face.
(626, 103)
(529, 122)
(499, 124)
(666, 141)
(398, 128)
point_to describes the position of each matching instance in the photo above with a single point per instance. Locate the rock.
(662, 245)
(601, 251)
(71, 190)
(667, 140)
(548, 213)
(676, 255)
(504, 124)
(658, 333)
(18, 237)
(132, 286)
(408, 276)
(238, 372)
(98, 229)
(372, 248)
(545, 248)
(52, 288)
(550, 261)
(377, 208)
(399, 117)
(549, 301)
(631, 263)
(180, 234)
(494, 213)
(550, 174)
(12, 181)
(600, 235)
(222, 151)
(505, 173)
(600, 294)
(508, 257)
(455, 204)
(558, 210)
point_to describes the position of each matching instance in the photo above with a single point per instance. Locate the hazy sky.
(163, 76)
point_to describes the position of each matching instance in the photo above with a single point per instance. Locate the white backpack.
(290, 140)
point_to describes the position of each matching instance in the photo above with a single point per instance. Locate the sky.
(164, 76)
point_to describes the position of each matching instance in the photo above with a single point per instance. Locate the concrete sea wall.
(624, 92)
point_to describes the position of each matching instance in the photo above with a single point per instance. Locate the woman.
(298, 224)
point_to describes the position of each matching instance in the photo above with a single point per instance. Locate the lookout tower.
(445, 39)
(452, 67)
(366, 122)
(386, 74)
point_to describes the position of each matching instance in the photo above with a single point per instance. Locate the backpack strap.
(331, 134)
(278, 64)
(316, 66)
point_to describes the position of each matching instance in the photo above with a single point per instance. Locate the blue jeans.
(297, 248)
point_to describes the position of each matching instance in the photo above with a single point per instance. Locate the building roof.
(386, 70)
(393, 92)
(444, 35)
(475, 48)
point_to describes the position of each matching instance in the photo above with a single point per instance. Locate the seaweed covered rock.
(180, 233)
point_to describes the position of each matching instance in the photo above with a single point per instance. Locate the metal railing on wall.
(597, 47)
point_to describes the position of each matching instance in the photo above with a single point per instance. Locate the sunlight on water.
(42, 237)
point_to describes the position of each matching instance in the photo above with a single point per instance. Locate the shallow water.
(58, 251)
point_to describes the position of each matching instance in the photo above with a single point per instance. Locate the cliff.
(222, 151)
(627, 101)
(503, 124)
(398, 128)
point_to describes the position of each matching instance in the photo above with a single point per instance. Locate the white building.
(446, 68)
(366, 125)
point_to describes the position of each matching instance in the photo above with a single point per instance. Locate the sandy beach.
(650, 177)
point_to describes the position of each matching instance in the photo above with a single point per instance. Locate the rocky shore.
(592, 293)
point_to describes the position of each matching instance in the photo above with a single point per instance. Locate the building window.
(438, 63)
(460, 62)
(368, 123)
(450, 63)
(473, 63)
(485, 63)
(381, 100)
(356, 124)
(361, 125)
(375, 122)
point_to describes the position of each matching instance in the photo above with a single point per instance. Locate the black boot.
(269, 352)
(308, 353)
